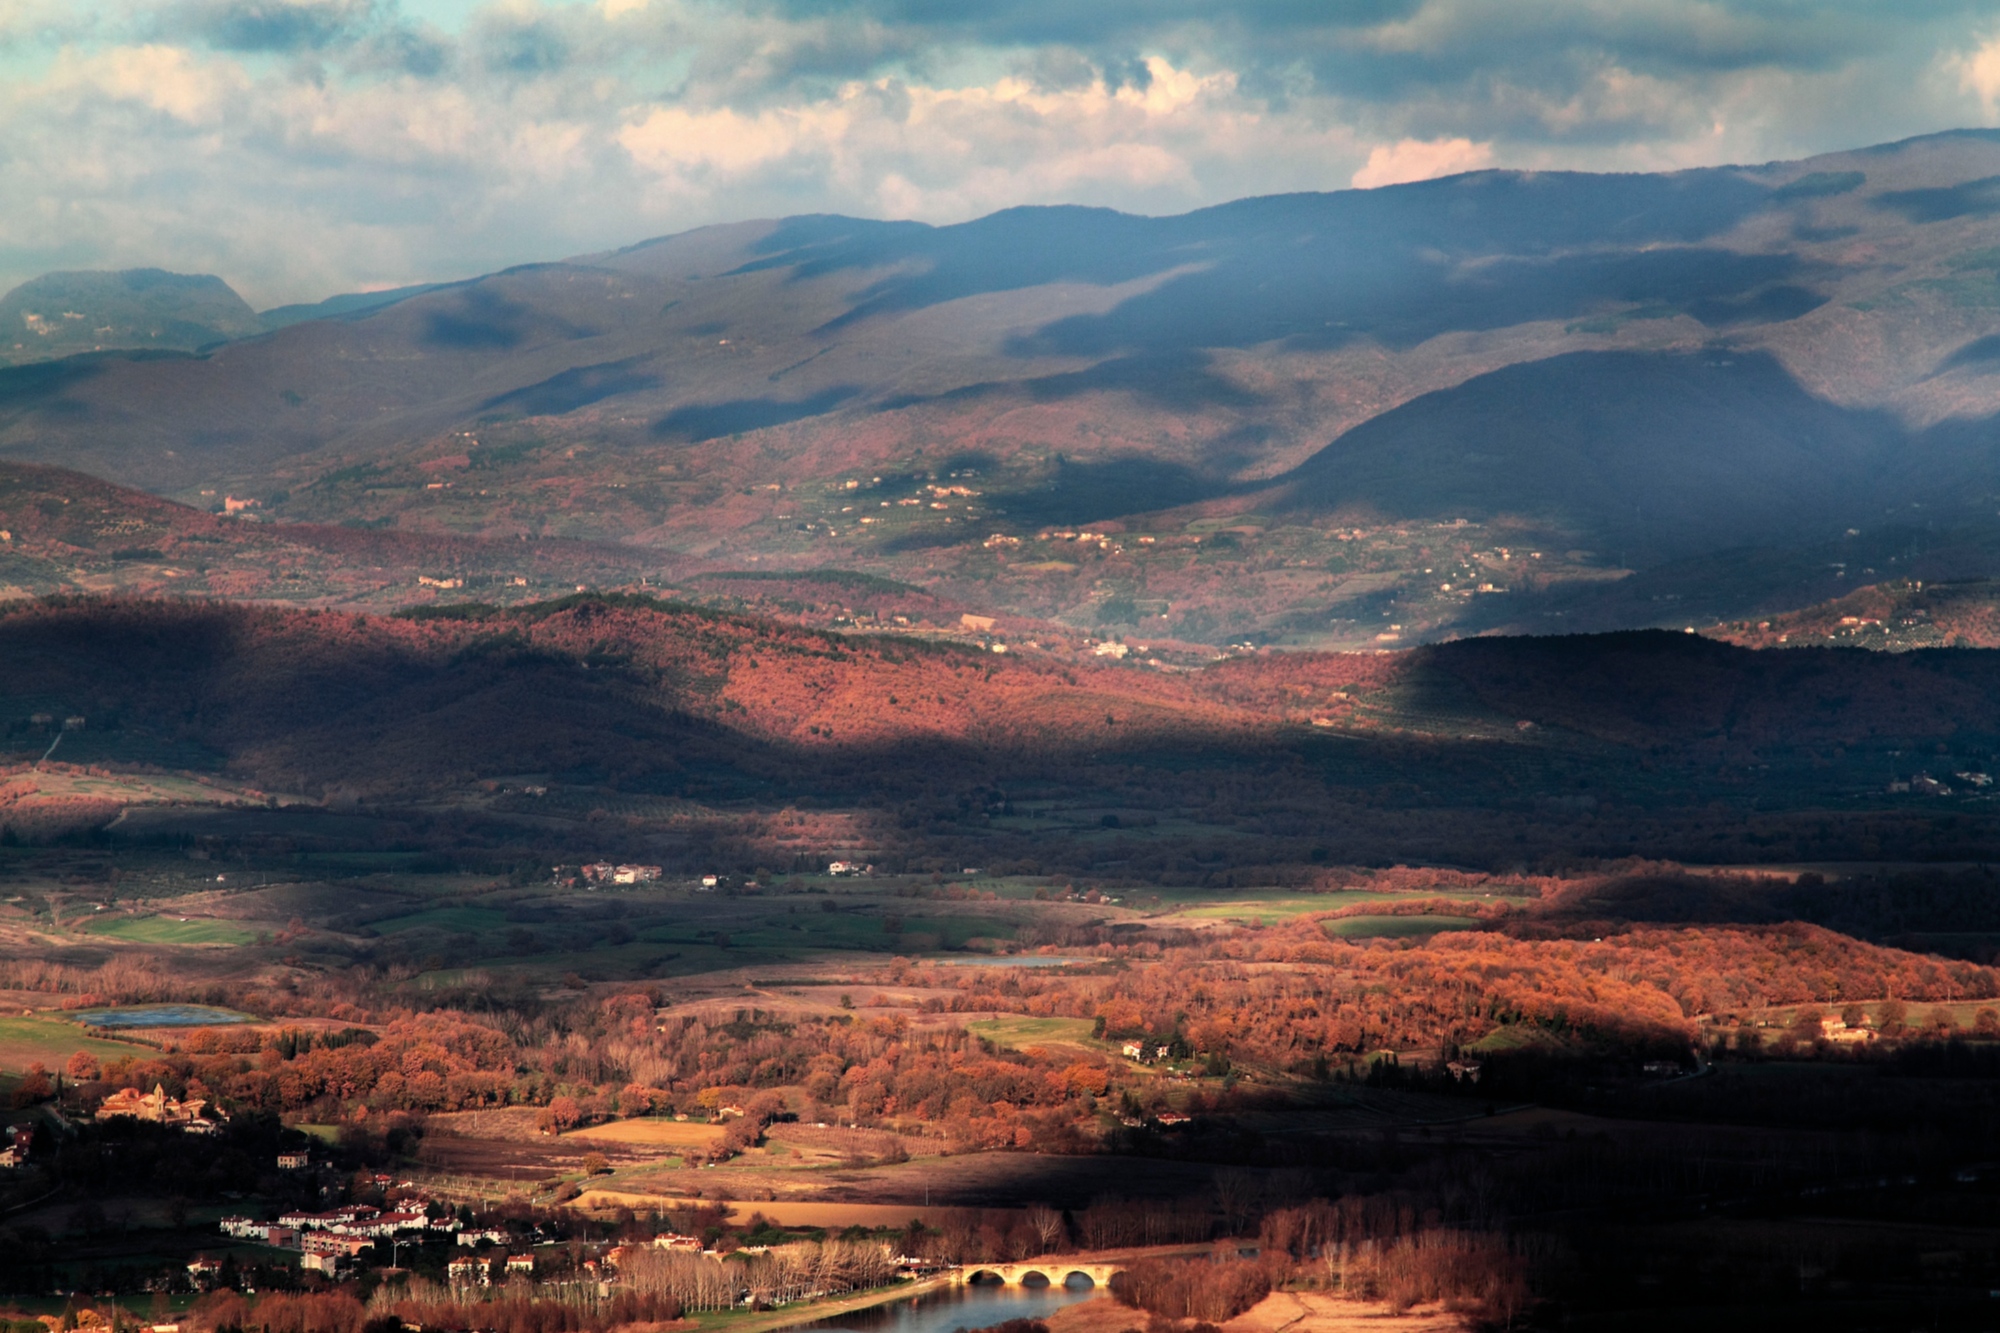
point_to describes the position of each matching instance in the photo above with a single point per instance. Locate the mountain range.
(1503, 400)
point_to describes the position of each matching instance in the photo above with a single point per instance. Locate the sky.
(301, 148)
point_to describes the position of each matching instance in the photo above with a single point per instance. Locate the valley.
(1413, 758)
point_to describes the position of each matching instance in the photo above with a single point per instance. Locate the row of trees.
(784, 1273)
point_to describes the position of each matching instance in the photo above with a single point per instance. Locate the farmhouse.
(467, 1272)
(294, 1161)
(1836, 1030)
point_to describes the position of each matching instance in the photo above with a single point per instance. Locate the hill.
(63, 314)
(1335, 416)
(64, 532)
(1895, 617)
(670, 731)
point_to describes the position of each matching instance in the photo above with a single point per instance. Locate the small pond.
(160, 1016)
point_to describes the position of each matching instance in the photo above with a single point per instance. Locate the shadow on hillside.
(1180, 379)
(42, 384)
(572, 389)
(1398, 265)
(1656, 456)
(1085, 492)
(708, 421)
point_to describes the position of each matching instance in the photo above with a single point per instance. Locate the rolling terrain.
(694, 737)
(1323, 419)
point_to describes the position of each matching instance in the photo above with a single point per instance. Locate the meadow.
(50, 1041)
(651, 1133)
(170, 930)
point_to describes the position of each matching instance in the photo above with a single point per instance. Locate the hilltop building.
(192, 1115)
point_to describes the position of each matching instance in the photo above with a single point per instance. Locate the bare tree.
(1048, 1226)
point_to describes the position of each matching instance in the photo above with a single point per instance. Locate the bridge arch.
(1084, 1276)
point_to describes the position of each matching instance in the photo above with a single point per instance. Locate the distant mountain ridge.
(1617, 373)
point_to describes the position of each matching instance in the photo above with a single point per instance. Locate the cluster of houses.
(329, 1241)
(193, 1116)
(477, 1272)
(605, 873)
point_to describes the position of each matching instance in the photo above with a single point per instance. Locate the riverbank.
(1280, 1312)
(811, 1312)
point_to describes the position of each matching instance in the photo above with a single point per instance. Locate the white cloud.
(1979, 75)
(304, 146)
(1420, 160)
(187, 88)
(946, 153)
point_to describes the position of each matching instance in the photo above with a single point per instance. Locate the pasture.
(1019, 1030)
(50, 1041)
(650, 1132)
(1396, 927)
(171, 930)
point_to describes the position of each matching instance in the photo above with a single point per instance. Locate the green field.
(1266, 910)
(49, 1041)
(1514, 1037)
(170, 930)
(1271, 906)
(1021, 1030)
(1396, 927)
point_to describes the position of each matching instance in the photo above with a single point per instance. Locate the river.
(953, 1308)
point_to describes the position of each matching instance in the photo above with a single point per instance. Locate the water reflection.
(974, 1306)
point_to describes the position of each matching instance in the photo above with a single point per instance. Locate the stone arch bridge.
(1054, 1270)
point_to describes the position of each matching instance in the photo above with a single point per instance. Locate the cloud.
(276, 25)
(943, 153)
(1979, 74)
(1420, 160)
(305, 146)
